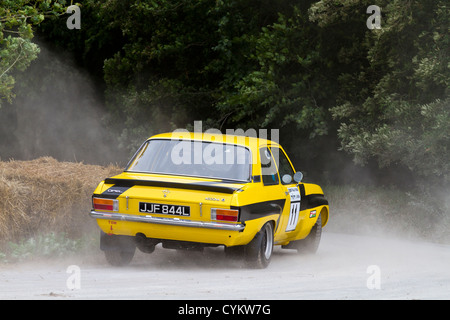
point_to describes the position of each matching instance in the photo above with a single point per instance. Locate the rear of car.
(167, 208)
(169, 195)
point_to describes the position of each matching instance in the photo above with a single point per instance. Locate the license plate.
(158, 208)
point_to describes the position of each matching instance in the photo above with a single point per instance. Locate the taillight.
(230, 215)
(105, 204)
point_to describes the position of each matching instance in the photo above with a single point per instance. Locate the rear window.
(193, 158)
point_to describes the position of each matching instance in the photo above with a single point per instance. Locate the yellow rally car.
(195, 190)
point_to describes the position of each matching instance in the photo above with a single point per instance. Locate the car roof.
(213, 137)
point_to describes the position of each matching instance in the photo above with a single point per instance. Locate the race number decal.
(294, 210)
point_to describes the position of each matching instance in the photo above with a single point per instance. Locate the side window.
(268, 168)
(284, 167)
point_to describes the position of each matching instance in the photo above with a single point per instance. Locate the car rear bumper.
(167, 221)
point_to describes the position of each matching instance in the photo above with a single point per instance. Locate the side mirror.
(298, 176)
(286, 178)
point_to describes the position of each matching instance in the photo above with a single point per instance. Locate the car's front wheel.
(311, 243)
(258, 252)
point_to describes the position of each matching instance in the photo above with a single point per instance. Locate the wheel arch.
(324, 213)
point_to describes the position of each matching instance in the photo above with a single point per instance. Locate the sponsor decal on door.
(294, 209)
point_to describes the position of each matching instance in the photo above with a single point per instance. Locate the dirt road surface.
(345, 267)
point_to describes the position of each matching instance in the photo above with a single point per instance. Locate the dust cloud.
(341, 269)
(58, 111)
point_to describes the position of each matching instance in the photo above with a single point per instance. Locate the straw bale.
(46, 195)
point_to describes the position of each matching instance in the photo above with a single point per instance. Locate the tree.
(16, 48)
(393, 104)
(179, 59)
(285, 85)
(312, 67)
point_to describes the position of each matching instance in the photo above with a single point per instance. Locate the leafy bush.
(49, 245)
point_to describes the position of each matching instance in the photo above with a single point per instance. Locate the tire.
(119, 250)
(258, 252)
(119, 258)
(311, 243)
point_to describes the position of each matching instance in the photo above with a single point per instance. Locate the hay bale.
(46, 195)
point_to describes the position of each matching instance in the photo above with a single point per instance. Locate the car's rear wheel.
(119, 258)
(119, 250)
(258, 252)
